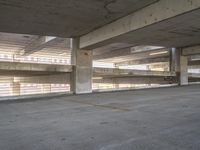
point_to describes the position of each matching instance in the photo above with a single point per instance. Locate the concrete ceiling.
(179, 31)
(111, 47)
(64, 18)
(135, 56)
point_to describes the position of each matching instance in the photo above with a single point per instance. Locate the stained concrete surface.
(153, 119)
(66, 18)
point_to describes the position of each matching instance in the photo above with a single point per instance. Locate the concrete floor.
(153, 119)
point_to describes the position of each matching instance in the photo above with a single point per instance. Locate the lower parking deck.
(150, 119)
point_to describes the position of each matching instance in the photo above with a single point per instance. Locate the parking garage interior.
(100, 75)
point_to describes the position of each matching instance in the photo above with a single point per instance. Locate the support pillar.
(15, 87)
(81, 77)
(179, 65)
(174, 60)
(183, 70)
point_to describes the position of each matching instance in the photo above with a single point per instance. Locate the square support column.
(183, 70)
(179, 64)
(174, 60)
(81, 77)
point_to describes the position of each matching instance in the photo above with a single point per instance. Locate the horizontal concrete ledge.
(129, 72)
(136, 88)
(162, 59)
(34, 96)
(62, 94)
(33, 67)
(133, 54)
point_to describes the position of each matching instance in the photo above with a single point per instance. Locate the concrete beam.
(143, 61)
(134, 55)
(42, 42)
(152, 14)
(38, 44)
(188, 51)
(114, 53)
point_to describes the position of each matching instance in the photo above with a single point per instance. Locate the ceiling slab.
(158, 24)
(63, 18)
(180, 31)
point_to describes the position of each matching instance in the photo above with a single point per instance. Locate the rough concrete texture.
(162, 24)
(154, 119)
(67, 18)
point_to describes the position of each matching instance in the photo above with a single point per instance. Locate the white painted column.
(81, 77)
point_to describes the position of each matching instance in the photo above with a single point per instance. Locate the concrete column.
(183, 70)
(81, 77)
(179, 64)
(15, 87)
(46, 88)
(174, 60)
